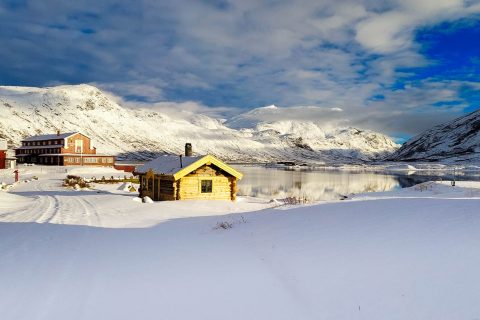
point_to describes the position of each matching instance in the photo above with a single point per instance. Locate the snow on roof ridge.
(50, 136)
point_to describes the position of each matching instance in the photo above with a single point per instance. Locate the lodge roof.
(170, 165)
(83, 155)
(50, 136)
(50, 146)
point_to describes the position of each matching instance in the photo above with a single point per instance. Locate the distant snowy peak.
(269, 122)
(145, 133)
(273, 113)
(272, 106)
(456, 140)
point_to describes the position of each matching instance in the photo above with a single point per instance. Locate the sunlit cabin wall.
(191, 185)
(164, 187)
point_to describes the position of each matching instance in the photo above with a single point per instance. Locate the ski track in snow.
(55, 204)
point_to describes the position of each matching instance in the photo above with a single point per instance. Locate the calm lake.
(326, 184)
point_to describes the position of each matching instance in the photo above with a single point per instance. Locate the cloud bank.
(358, 56)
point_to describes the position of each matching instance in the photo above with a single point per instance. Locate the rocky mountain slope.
(457, 140)
(143, 133)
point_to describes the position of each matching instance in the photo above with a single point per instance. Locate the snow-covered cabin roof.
(170, 165)
(50, 136)
(167, 164)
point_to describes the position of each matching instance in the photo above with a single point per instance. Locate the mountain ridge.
(455, 140)
(142, 133)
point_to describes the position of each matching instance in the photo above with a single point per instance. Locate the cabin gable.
(206, 182)
(207, 160)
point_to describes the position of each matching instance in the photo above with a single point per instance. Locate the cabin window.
(206, 186)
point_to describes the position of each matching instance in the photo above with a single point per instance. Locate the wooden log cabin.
(188, 178)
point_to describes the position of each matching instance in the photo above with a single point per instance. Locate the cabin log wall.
(189, 187)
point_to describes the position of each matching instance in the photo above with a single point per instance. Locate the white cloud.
(392, 30)
(244, 53)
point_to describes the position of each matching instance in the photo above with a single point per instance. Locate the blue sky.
(398, 67)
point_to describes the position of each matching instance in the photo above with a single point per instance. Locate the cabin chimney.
(181, 162)
(58, 132)
(188, 150)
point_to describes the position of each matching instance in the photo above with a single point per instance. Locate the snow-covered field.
(97, 254)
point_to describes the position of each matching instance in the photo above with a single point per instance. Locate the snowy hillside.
(140, 134)
(457, 140)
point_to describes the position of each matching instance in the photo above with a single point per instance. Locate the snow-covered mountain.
(142, 133)
(456, 140)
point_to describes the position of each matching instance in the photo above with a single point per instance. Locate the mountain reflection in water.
(316, 185)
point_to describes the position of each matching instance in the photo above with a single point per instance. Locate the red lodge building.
(62, 149)
(3, 153)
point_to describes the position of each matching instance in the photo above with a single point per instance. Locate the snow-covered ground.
(97, 254)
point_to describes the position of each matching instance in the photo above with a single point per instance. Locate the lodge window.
(206, 186)
(90, 160)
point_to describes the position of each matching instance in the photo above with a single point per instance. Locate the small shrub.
(75, 182)
(224, 225)
(229, 225)
(242, 220)
(295, 200)
(423, 186)
(113, 180)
